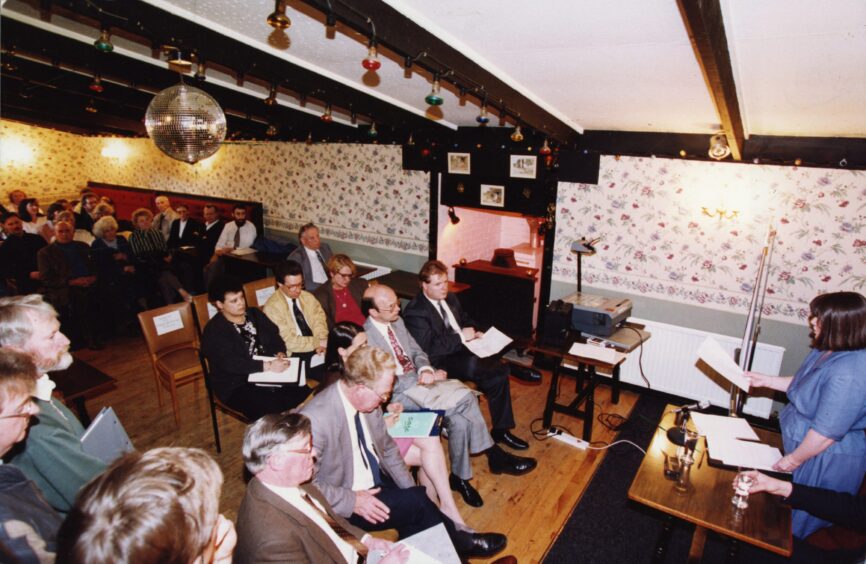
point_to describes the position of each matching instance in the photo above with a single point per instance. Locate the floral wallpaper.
(355, 193)
(657, 242)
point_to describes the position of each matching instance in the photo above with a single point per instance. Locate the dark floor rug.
(607, 527)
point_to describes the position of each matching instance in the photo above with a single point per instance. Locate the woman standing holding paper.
(230, 341)
(426, 452)
(823, 425)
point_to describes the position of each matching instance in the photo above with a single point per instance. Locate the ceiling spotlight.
(683, 153)
(452, 215)
(176, 62)
(278, 18)
(798, 162)
(483, 118)
(272, 130)
(372, 133)
(271, 100)
(200, 70)
(96, 85)
(434, 98)
(371, 62)
(91, 107)
(545, 148)
(517, 134)
(309, 140)
(719, 148)
(327, 117)
(103, 42)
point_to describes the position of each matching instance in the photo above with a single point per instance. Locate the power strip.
(570, 440)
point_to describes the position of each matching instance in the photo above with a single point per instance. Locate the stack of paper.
(491, 343)
(295, 373)
(733, 442)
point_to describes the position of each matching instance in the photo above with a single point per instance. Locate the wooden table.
(253, 266)
(79, 382)
(586, 375)
(406, 286)
(766, 523)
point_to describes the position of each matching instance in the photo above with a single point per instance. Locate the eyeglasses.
(294, 286)
(392, 307)
(384, 397)
(305, 451)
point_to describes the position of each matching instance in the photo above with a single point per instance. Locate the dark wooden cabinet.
(503, 297)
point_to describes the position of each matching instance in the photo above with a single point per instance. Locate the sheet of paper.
(491, 343)
(317, 360)
(168, 322)
(287, 376)
(743, 454)
(244, 251)
(719, 360)
(430, 546)
(262, 294)
(603, 354)
(722, 426)
(414, 424)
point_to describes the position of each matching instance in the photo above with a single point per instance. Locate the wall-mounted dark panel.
(578, 167)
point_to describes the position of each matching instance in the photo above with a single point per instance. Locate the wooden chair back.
(204, 311)
(168, 328)
(257, 292)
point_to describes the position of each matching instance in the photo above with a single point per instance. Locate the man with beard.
(237, 234)
(51, 456)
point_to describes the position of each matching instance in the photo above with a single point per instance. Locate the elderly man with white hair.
(51, 456)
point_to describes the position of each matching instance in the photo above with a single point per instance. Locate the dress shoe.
(502, 462)
(469, 494)
(526, 374)
(505, 437)
(479, 545)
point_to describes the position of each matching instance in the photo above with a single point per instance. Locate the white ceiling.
(799, 65)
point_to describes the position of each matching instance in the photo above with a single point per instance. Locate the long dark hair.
(841, 318)
(341, 336)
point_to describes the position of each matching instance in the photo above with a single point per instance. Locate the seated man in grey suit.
(285, 518)
(360, 470)
(313, 256)
(467, 430)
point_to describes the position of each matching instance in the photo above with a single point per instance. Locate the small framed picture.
(523, 166)
(459, 163)
(492, 195)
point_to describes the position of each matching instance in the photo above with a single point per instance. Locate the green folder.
(413, 424)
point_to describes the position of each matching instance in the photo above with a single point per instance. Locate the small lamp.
(452, 215)
(719, 148)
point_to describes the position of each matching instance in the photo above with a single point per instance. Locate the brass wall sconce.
(720, 213)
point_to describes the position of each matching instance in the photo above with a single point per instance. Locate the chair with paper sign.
(204, 311)
(257, 292)
(173, 344)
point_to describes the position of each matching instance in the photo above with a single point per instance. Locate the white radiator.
(669, 363)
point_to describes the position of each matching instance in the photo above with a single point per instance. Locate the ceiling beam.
(706, 29)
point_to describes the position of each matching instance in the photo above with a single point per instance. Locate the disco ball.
(185, 123)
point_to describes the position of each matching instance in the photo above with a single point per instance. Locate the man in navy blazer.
(439, 325)
(313, 257)
(184, 230)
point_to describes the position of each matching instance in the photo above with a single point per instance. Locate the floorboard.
(531, 510)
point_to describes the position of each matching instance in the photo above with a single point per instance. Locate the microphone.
(703, 404)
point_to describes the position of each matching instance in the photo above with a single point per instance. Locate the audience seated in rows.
(164, 217)
(230, 341)
(158, 506)
(35, 221)
(341, 296)
(153, 262)
(313, 257)
(18, 265)
(118, 286)
(236, 234)
(82, 235)
(51, 456)
(28, 525)
(84, 216)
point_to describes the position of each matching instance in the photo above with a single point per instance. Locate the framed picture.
(492, 195)
(523, 166)
(459, 163)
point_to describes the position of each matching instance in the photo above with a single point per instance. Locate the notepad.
(105, 438)
(412, 424)
(290, 375)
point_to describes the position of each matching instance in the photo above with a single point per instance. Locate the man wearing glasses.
(51, 456)
(313, 256)
(28, 526)
(297, 314)
(360, 470)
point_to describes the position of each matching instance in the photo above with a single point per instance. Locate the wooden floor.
(530, 510)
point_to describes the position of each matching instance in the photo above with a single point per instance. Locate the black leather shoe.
(479, 545)
(526, 374)
(469, 494)
(505, 437)
(502, 462)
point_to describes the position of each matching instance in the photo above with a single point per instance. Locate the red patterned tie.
(404, 360)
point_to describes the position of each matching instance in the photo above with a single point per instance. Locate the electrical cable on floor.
(640, 355)
(606, 446)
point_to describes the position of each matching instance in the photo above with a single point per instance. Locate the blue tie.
(366, 455)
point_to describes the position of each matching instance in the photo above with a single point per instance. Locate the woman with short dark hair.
(823, 425)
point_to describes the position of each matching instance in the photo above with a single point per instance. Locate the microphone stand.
(753, 321)
(677, 433)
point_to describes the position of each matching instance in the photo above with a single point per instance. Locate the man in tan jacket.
(298, 315)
